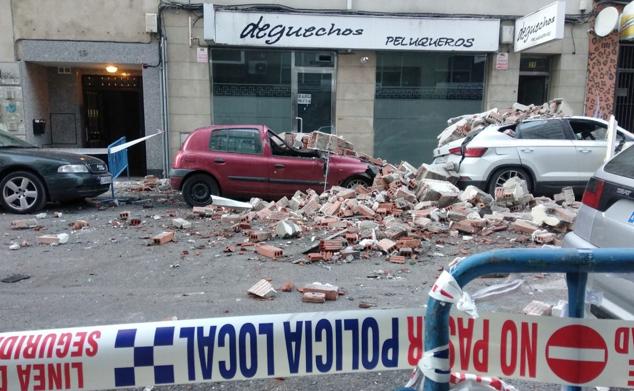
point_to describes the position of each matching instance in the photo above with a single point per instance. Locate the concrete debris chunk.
(262, 289)
(523, 226)
(181, 223)
(229, 203)
(330, 291)
(287, 229)
(24, 224)
(163, 237)
(78, 224)
(443, 192)
(386, 245)
(313, 297)
(53, 239)
(538, 308)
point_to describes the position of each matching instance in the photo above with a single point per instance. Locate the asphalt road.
(107, 275)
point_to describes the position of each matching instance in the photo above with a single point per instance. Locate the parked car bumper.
(572, 240)
(615, 300)
(176, 177)
(70, 186)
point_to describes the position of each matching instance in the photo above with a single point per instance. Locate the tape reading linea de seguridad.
(545, 349)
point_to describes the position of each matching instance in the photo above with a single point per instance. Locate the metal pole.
(576, 301)
(575, 262)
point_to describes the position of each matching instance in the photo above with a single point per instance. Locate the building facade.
(384, 75)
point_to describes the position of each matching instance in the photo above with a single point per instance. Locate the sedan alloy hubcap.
(20, 193)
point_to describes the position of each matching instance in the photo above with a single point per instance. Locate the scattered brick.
(259, 236)
(313, 297)
(163, 237)
(399, 259)
(269, 251)
(262, 289)
(330, 291)
(386, 245)
(24, 224)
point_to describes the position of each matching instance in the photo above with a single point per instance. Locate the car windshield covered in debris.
(246, 161)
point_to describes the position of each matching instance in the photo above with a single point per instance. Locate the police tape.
(554, 350)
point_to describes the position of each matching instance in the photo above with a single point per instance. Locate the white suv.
(548, 153)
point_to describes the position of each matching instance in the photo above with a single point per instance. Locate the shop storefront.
(305, 72)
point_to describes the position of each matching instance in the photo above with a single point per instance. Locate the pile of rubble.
(403, 208)
(326, 142)
(462, 126)
(150, 183)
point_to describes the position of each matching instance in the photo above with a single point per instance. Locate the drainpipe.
(164, 107)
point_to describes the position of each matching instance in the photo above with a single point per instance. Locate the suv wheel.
(502, 175)
(198, 189)
(22, 192)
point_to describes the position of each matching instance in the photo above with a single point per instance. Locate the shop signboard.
(541, 26)
(292, 30)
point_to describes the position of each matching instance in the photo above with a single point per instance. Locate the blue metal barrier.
(575, 263)
(117, 161)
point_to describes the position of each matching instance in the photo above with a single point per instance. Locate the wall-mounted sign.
(202, 55)
(502, 61)
(544, 25)
(304, 99)
(9, 73)
(349, 31)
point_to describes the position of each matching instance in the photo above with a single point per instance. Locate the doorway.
(113, 109)
(533, 82)
(313, 91)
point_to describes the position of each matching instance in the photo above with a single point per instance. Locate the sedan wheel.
(198, 189)
(22, 192)
(356, 181)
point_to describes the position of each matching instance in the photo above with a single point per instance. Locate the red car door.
(237, 158)
(291, 171)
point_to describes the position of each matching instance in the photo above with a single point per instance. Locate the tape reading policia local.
(446, 289)
(585, 352)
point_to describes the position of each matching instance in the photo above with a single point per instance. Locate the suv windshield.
(9, 141)
(622, 164)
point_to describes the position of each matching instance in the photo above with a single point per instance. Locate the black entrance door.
(531, 90)
(114, 110)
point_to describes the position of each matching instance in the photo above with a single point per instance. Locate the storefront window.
(415, 95)
(252, 87)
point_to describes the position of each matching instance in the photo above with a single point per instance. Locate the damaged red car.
(243, 161)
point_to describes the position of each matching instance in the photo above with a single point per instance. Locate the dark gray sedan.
(31, 176)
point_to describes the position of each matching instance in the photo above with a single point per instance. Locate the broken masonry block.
(24, 224)
(330, 291)
(181, 223)
(538, 308)
(269, 251)
(163, 237)
(262, 289)
(313, 297)
(386, 245)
